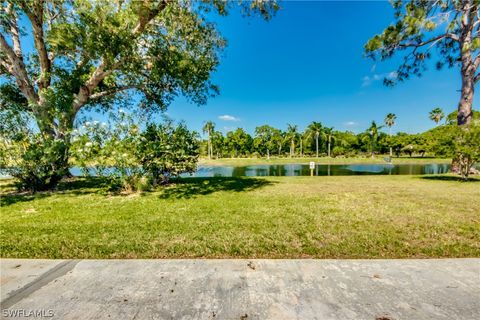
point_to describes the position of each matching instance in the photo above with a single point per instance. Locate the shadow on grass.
(71, 187)
(181, 188)
(450, 178)
(192, 187)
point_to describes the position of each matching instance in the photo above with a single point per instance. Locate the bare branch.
(35, 15)
(423, 43)
(14, 31)
(113, 91)
(18, 70)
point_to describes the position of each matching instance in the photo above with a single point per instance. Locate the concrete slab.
(17, 273)
(257, 289)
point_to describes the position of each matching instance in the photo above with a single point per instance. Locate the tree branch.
(36, 19)
(18, 70)
(14, 31)
(112, 91)
(421, 44)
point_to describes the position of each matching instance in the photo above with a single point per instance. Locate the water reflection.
(321, 170)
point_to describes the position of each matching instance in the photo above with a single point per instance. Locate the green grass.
(321, 160)
(281, 217)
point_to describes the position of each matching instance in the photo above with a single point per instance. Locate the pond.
(320, 170)
(304, 170)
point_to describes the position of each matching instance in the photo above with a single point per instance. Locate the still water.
(320, 170)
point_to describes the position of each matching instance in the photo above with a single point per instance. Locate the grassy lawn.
(321, 160)
(275, 217)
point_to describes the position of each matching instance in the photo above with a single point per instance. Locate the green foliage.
(264, 141)
(466, 147)
(36, 161)
(132, 159)
(436, 115)
(166, 151)
(108, 150)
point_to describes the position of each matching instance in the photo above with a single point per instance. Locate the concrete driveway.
(241, 289)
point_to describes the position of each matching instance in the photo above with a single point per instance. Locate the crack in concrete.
(23, 292)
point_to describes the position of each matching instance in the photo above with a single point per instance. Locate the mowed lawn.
(277, 217)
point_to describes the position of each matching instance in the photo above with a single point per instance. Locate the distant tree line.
(318, 140)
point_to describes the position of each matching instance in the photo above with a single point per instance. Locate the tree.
(420, 26)
(278, 138)
(390, 122)
(264, 138)
(218, 143)
(209, 128)
(373, 134)
(466, 144)
(291, 135)
(239, 141)
(436, 115)
(315, 129)
(89, 55)
(329, 136)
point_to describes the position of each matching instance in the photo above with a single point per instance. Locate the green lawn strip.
(275, 217)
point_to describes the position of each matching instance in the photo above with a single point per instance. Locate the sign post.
(312, 166)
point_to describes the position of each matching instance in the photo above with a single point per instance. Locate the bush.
(166, 151)
(132, 160)
(466, 148)
(108, 150)
(38, 163)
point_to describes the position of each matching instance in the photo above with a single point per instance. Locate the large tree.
(450, 26)
(264, 138)
(90, 54)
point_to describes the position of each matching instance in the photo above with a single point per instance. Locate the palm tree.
(390, 122)
(315, 128)
(292, 132)
(436, 115)
(373, 132)
(208, 128)
(329, 135)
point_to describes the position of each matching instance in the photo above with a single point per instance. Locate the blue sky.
(307, 64)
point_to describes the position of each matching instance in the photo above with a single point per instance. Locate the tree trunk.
(268, 154)
(390, 136)
(316, 144)
(329, 143)
(466, 100)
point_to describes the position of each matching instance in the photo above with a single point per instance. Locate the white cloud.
(350, 123)
(227, 117)
(368, 80)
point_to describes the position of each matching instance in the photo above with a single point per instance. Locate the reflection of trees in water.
(322, 170)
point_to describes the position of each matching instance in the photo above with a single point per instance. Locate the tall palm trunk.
(390, 136)
(316, 143)
(329, 144)
(292, 148)
(301, 147)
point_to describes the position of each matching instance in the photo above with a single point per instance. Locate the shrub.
(166, 151)
(38, 163)
(466, 148)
